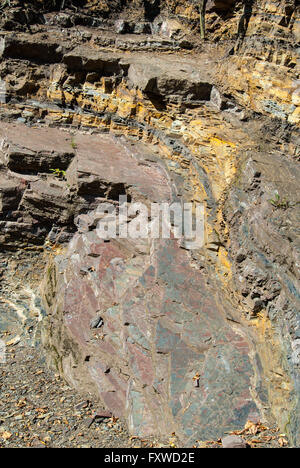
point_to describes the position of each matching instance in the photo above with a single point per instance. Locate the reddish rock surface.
(192, 342)
(164, 322)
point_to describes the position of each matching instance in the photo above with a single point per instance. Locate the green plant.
(279, 203)
(73, 144)
(61, 174)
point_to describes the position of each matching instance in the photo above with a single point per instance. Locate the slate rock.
(233, 441)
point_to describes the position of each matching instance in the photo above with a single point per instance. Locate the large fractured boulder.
(28, 150)
(48, 201)
(30, 48)
(114, 168)
(84, 58)
(52, 178)
(152, 76)
(32, 198)
(20, 159)
(161, 328)
(161, 79)
(10, 194)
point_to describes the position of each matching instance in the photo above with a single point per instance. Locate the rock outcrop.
(149, 111)
(162, 322)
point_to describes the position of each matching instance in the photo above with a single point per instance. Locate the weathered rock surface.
(265, 239)
(28, 48)
(218, 123)
(233, 442)
(32, 198)
(163, 324)
(158, 78)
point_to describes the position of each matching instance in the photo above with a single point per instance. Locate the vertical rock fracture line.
(202, 7)
(245, 18)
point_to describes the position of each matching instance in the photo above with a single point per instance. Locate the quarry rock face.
(162, 324)
(109, 99)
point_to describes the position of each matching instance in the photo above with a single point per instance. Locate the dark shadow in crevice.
(245, 18)
(286, 19)
(116, 191)
(157, 101)
(152, 9)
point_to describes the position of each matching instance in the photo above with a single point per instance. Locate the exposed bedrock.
(148, 111)
(265, 247)
(161, 321)
(164, 318)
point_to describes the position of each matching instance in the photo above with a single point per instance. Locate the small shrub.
(279, 203)
(61, 174)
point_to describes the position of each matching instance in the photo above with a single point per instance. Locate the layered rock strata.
(217, 125)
